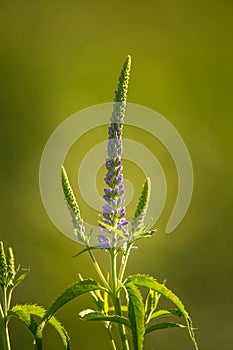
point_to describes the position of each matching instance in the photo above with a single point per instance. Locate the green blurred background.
(58, 57)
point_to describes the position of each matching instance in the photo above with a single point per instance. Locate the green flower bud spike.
(121, 92)
(73, 207)
(141, 210)
(10, 264)
(3, 265)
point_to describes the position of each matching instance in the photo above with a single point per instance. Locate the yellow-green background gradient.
(58, 57)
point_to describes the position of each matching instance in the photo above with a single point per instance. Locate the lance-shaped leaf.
(96, 296)
(163, 325)
(87, 249)
(91, 315)
(22, 276)
(151, 303)
(72, 292)
(30, 314)
(72, 205)
(165, 313)
(140, 234)
(142, 206)
(136, 315)
(151, 283)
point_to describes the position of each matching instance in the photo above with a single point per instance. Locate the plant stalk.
(5, 336)
(122, 331)
(124, 261)
(1, 312)
(116, 298)
(4, 325)
(98, 270)
(111, 339)
(114, 269)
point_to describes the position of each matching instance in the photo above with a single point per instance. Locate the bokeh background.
(58, 57)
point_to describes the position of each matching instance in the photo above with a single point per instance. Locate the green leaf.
(84, 250)
(61, 331)
(29, 313)
(136, 315)
(158, 326)
(91, 315)
(150, 282)
(163, 313)
(150, 302)
(140, 234)
(96, 296)
(26, 313)
(21, 277)
(72, 292)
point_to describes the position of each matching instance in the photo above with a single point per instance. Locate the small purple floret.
(103, 242)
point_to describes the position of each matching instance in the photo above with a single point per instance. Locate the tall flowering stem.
(114, 221)
(114, 210)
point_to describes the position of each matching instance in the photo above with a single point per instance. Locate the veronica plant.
(118, 299)
(30, 314)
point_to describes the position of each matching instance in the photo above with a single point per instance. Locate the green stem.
(4, 325)
(98, 270)
(116, 302)
(5, 336)
(124, 261)
(111, 339)
(9, 296)
(1, 312)
(113, 255)
(116, 298)
(122, 331)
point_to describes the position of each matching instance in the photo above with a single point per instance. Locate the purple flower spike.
(114, 210)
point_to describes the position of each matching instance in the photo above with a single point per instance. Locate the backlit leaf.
(136, 315)
(151, 283)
